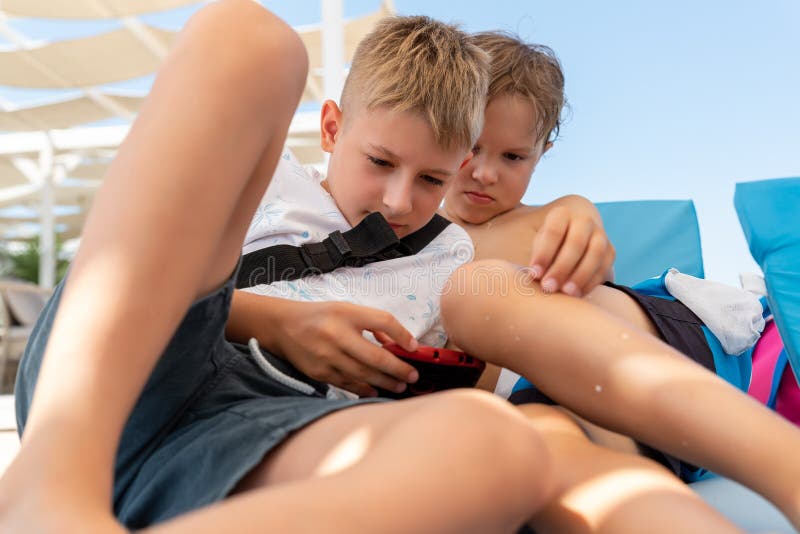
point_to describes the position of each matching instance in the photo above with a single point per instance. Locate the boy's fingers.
(382, 337)
(569, 255)
(591, 262)
(548, 240)
(602, 273)
(386, 323)
(376, 365)
(356, 371)
(603, 269)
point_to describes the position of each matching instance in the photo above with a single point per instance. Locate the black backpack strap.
(422, 237)
(372, 240)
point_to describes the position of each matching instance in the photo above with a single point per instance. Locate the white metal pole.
(332, 48)
(47, 250)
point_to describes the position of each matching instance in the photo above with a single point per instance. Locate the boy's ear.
(470, 155)
(330, 124)
(547, 146)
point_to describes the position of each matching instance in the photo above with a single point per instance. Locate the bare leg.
(615, 375)
(621, 305)
(602, 491)
(425, 464)
(166, 227)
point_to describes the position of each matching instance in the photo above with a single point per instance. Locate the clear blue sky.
(677, 99)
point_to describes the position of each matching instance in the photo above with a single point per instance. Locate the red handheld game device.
(438, 369)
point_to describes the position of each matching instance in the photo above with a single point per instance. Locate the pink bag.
(773, 383)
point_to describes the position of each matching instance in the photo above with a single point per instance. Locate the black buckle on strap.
(328, 255)
(338, 240)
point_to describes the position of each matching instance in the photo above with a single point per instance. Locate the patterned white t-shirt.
(296, 209)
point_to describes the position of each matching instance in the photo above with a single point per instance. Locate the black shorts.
(677, 326)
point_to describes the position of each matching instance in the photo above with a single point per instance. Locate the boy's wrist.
(257, 316)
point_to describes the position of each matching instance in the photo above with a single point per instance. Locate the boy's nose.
(484, 173)
(397, 196)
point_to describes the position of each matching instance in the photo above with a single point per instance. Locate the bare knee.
(494, 437)
(250, 45)
(552, 422)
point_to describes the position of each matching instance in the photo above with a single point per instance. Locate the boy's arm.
(571, 250)
(325, 340)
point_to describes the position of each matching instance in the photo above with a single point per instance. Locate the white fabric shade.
(354, 30)
(94, 171)
(74, 219)
(87, 9)
(9, 175)
(96, 60)
(116, 56)
(120, 55)
(78, 196)
(65, 114)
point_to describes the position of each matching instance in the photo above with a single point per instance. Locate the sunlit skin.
(388, 162)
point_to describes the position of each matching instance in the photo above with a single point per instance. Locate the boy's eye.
(475, 150)
(433, 181)
(379, 162)
(513, 157)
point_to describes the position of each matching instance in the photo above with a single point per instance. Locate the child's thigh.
(556, 422)
(622, 306)
(563, 430)
(462, 422)
(602, 490)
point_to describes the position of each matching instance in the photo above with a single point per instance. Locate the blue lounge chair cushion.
(769, 212)
(651, 235)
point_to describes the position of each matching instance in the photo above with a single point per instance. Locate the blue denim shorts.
(207, 415)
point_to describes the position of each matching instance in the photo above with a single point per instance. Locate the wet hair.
(530, 70)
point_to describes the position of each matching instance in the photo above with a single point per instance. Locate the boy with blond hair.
(134, 411)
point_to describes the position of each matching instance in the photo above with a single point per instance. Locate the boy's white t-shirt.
(296, 210)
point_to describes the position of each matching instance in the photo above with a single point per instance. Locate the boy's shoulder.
(295, 208)
(453, 242)
(515, 222)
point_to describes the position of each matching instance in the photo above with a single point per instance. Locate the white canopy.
(137, 49)
(96, 60)
(87, 9)
(66, 114)
(10, 175)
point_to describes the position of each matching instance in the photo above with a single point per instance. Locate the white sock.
(732, 314)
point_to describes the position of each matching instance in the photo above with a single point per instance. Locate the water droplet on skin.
(516, 338)
(684, 443)
(625, 336)
(598, 388)
(487, 317)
